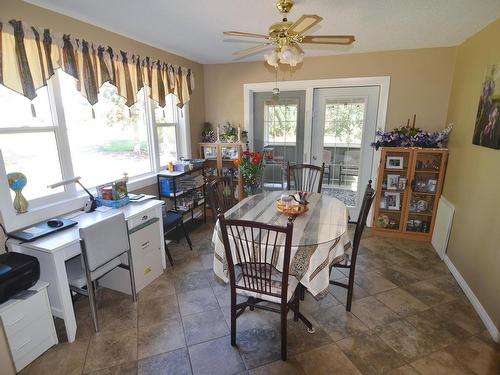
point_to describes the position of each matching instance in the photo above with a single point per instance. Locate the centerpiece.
(251, 166)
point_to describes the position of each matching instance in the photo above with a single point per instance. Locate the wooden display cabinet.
(219, 161)
(410, 181)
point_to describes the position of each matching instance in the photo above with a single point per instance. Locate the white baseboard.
(492, 329)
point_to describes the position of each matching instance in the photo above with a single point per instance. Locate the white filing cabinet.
(145, 243)
(29, 326)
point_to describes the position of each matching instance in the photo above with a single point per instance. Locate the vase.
(253, 189)
(17, 181)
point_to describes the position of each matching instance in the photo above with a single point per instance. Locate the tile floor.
(408, 317)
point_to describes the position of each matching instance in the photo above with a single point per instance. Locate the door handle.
(315, 158)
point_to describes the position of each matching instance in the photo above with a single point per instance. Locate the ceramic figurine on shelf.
(17, 181)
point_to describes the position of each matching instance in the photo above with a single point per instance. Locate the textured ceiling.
(193, 28)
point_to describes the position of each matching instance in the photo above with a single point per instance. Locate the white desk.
(54, 250)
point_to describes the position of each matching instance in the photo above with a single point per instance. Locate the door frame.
(308, 86)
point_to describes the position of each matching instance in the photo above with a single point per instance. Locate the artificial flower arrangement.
(251, 166)
(410, 136)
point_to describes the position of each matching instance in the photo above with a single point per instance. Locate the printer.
(18, 272)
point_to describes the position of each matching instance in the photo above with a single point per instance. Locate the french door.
(343, 127)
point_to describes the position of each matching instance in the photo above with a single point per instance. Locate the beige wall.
(420, 82)
(473, 177)
(57, 22)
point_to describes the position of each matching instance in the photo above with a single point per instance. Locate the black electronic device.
(19, 272)
(44, 228)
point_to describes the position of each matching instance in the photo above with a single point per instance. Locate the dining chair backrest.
(366, 204)
(220, 192)
(305, 177)
(255, 248)
(104, 241)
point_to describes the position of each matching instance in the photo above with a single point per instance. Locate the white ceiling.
(193, 28)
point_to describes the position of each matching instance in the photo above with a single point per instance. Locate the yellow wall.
(473, 178)
(36, 16)
(420, 82)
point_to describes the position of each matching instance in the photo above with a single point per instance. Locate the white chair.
(102, 243)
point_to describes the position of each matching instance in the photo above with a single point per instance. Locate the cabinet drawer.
(23, 313)
(145, 216)
(28, 339)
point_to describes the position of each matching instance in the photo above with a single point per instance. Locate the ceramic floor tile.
(172, 363)
(259, 346)
(300, 340)
(340, 293)
(160, 338)
(338, 322)
(427, 293)
(407, 340)
(163, 286)
(372, 312)
(108, 349)
(310, 304)
(370, 354)
(215, 357)
(186, 282)
(129, 368)
(63, 359)
(326, 360)
(447, 284)
(478, 356)
(401, 302)
(403, 370)
(253, 319)
(440, 363)
(205, 326)
(373, 283)
(157, 310)
(290, 367)
(462, 314)
(196, 301)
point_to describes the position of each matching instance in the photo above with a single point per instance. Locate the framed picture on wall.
(487, 127)
(394, 162)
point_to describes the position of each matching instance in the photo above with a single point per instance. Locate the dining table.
(319, 239)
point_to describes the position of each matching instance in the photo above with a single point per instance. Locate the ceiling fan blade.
(328, 39)
(304, 23)
(246, 35)
(251, 50)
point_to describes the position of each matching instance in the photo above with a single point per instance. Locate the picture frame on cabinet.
(402, 184)
(392, 181)
(393, 201)
(431, 185)
(394, 162)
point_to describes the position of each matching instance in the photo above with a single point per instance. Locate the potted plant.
(251, 167)
(229, 133)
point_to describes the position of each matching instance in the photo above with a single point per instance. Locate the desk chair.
(349, 262)
(103, 244)
(251, 251)
(306, 177)
(173, 220)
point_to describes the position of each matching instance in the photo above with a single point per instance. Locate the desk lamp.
(90, 205)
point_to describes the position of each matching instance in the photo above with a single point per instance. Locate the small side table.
(29, 326)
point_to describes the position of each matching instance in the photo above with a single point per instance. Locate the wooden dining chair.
(349, 261)
(220, 191)
(252, 250)
(305, 177)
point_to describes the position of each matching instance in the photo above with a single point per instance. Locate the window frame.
(72, 199)
(266, 124)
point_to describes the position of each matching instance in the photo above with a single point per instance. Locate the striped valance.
(29, 56)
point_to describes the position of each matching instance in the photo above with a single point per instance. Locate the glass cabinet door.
(425, 182)
(392, 198)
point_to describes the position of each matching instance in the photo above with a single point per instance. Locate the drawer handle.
(145, 244)
(145, 217)
(15, 321)
(20, 347)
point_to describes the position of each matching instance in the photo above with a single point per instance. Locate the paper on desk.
(103, 208)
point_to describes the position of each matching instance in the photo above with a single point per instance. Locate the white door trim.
(383, 82)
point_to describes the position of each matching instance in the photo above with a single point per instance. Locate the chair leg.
(187, 236)
(177, 235)
(302, 292)
(169, 256)
(350, 289)
(93, 304)
(132, 277)
(296, 308)
(283, 333)
(233, 320)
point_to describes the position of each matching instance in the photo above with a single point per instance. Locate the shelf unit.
(197, 203)
(409, 212)
(219, 161)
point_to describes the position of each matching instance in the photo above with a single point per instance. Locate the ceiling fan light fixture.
(291, 56)
(272, 58)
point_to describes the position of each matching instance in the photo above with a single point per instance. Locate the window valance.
(29, 56)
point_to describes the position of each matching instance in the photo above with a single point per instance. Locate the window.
(344, 122)
(280, 121)
(59, 135)
(28, 141)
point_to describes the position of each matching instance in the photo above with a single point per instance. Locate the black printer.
(17, 272)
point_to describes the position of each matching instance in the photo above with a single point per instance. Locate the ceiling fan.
(285, 38)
